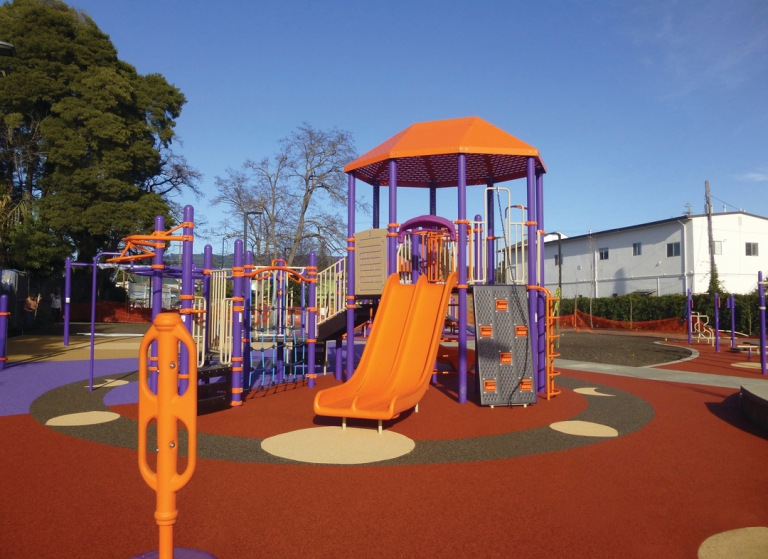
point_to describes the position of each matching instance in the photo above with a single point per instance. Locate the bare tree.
(301, 192)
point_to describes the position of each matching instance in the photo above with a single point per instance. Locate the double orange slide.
(399, 357)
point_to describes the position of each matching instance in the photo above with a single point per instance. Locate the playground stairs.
(336, 326)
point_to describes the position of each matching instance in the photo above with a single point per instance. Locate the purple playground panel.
(22, 383)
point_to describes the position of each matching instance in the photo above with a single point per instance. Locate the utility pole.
(712, 268)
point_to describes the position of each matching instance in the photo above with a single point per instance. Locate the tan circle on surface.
(590, 391)
(110, 383)
(584, 429)
(334, 445)
(82, 418)
(747, 365)
(744, 543)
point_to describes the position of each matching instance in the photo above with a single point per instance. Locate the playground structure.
(457, 153)
(265, 334)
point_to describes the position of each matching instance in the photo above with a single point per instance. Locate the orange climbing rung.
(167, 408)
(521, 331)
(502, 304)
(486, 331)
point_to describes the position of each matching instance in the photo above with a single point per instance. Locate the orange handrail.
(263, 270)
(167, 407)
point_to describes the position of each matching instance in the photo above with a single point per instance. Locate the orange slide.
(399, 357)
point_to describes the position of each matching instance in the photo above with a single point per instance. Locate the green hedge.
(638, 308)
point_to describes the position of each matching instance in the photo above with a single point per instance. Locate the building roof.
(682, 218)
(426, 155)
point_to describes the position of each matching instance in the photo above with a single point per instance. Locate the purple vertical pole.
(732, 306)
(761, 295)
(462, 264)
(490, 238)
(93, 322)
(248, 267)
(312, 275)
(3, 330)
(542, 302)
(67, 295)
(477, 232)
(376, 204)
(689, 306)
(338, 364)
(207, 266)
(187, 293)
(392, 226)
(237, 325)
(280, 323)
(415, 257)
(432, 199)
(717, 323)
(533, 295)
(351, 271)
(157, 300)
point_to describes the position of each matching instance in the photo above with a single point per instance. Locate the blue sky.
(631, 104)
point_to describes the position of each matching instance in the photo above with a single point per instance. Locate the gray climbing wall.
(503, 346)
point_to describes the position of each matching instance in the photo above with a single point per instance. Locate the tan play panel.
(50, 348)
(584, 429)
(334, 445)
(742, 543)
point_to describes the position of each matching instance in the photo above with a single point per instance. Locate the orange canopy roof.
(426, 154)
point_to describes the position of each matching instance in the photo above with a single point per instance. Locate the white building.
(661, 257)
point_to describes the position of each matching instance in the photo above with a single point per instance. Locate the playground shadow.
(729, 410)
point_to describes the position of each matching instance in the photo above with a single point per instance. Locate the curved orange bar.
(167, 407)
(256, 273)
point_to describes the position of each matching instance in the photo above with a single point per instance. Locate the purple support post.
(392, 226)
(415, 257)
(478, 273)
(490, 238)
(533, 295)
(338, 363)
(351, 270)
(207, 266)
(93, 315)
(67, 295)
(281, 281)
(761, 307)
(237, 325)
(689, 307)
(248, 267)
(542, 302)
(187, 293)
(311, 341)
(717, 323)
(376, 204)
(3, 329)
(432, 199)
(158, 270)
(732, 306)
(462, 264)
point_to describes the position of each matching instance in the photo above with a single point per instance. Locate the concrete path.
(665, 375)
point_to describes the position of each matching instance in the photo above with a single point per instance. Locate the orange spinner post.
(166, 408)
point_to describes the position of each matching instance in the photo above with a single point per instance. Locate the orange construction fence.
(581, 321)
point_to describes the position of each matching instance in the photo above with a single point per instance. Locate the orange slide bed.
(398, 359)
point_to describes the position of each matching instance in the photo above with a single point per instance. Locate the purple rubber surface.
(126, 394)
(179, 553)
(23, 383)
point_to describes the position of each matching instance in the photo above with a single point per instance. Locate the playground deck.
(684, 465)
